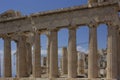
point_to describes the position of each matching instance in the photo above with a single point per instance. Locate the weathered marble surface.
(78, 15)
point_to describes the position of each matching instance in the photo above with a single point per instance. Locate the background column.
(81, 60)
(53, 54)
(17, 65)
(93, 54)
(72, 54)
(64, 60)
(48, 53)
(7, 57)
(36, 56)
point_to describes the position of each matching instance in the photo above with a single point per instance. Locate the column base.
(55, 79)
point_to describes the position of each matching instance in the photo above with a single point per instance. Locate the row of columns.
(72, 54)
(22, 50)
(112, 53)
(23, 57)
(64, 62)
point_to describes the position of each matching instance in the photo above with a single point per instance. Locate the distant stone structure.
(102, 63)
(81, 62)
(26, 31)
(64, 63)
(10, 14)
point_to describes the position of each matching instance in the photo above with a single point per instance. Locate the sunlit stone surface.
(26, 31)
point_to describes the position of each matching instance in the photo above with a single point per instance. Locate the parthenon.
(26, 31)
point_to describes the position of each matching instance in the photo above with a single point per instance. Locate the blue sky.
(31, 6)
(27, 7)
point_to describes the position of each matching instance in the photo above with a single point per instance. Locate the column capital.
(112, 25)
(36, 33)
(6, 37)
(48, 34)
(92, 25)
(72, 27)
(55, 29)
(22, 37)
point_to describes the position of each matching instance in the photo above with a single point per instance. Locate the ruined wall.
(99, 1)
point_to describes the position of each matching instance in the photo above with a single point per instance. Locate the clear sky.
(32, 6)
(27, 7)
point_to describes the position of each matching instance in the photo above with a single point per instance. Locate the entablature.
(79, 15)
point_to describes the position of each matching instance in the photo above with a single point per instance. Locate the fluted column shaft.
(36, 56)
(93, 55)
(112, 52)
(53, 55)
(48, 53)
(22, 53)
(64, 60)
(29, 58)
(118, 53)
(17, 65)
(72, 54)
(7, 58)
(81, 58)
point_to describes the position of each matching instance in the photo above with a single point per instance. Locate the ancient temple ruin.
(26, 31)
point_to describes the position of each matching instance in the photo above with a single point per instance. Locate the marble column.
(61, 63)
(81, 60)
(17, 65)
(48, 52)
(93, 55)
(7, 57)
(72, 54)
(64, 61)
(29, 58)
(53, 54)
(118, 53)
(36, 56)
(112, 52)
(44, 61)
(22, 52)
